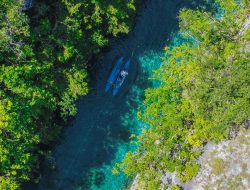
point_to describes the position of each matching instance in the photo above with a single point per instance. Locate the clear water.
(99, 135)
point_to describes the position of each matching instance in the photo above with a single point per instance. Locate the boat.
(120, 79)
(113, 76)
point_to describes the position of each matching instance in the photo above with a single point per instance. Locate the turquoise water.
(99, 135)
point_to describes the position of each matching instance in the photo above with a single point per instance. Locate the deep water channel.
(99, 135)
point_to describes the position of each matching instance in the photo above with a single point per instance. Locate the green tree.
(203, 96)
(44, 56)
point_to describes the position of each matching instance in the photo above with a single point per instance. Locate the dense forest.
(203, 95)
(46, 51)
(44, 55)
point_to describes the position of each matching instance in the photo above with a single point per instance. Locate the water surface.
(99, 135)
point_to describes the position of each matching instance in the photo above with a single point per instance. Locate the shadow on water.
(99, 135)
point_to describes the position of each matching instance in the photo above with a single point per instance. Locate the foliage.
(218, 166)
(175, 187)
(43, 70)
(204, 93)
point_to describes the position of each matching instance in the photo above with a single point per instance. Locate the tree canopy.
(203, 96)
(44, 54)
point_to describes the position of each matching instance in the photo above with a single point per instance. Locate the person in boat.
(123, 73)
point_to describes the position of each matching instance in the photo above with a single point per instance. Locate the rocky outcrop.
(224, 166)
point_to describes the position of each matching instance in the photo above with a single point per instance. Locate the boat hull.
(113, 76)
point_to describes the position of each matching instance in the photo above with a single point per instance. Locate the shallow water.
(99, 135)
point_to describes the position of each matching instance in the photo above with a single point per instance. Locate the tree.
(203, 95)
(43, 71)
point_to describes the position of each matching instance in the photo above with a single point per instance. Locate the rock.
(224, 166)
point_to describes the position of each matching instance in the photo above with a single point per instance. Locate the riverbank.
(196, 102)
